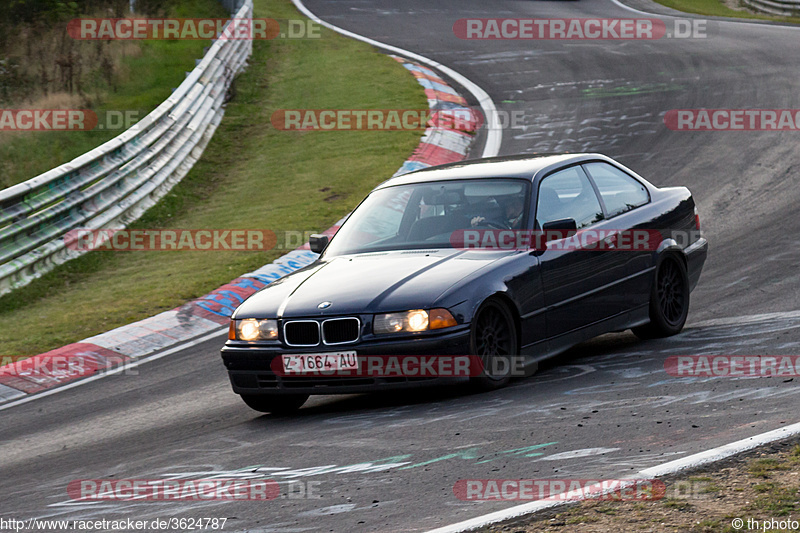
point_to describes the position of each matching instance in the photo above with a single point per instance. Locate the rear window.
(620, 192)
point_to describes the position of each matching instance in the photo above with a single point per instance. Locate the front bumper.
(250, 366)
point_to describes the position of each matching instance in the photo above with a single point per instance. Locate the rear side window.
(567, 194)
(619, 191)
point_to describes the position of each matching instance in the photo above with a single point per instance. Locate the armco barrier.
(114, 184)
(786, 8)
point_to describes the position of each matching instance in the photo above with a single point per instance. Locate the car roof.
(513, 166)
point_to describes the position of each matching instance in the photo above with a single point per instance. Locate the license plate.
(319, 363)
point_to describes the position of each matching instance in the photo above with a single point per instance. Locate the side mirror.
(318, 242)
(561, 228)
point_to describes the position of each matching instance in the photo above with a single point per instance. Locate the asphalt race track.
(604, 410)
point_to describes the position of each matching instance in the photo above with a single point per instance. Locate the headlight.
(411, 321)
(251, 329)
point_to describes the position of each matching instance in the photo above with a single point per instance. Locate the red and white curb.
(211, 313)
(439, 145)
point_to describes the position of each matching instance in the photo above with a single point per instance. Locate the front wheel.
(493, 338)
(277, 405)
(669, 300)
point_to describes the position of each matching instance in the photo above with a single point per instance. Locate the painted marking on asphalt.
(475, 453)
(579, 371)
(386, 464)
(332, 509)
(630, 90)
(577, 454)
(748, 319)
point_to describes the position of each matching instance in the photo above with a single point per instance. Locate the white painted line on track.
(720, 452)
(629, 8)
(494, 134)
(128, 365)
(634, 10)
(671, 467)
(747, 319)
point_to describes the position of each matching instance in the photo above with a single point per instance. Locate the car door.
(572, 278)
(621, 195)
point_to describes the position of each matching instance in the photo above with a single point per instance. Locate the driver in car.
(513, 214)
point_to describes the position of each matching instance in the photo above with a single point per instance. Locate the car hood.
(367, 283)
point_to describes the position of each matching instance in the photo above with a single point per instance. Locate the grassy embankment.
(717, 8)
(761, 487)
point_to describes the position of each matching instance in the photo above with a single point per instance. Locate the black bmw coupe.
(509, 258)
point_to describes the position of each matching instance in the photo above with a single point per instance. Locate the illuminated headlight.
(251, 329)
(411, 321)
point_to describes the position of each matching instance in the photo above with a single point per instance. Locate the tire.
(493, 334)
(669, 300)
(277, 405)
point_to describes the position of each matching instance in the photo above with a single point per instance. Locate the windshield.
(424, 215)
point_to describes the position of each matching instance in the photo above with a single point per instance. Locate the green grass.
(606, 509)
(680, 505)
(716, 8)
(251, 176)
(764, 487)
(576, 520)
(764, 500)
(762, 467)
(150, 71)
(777, 501)
(794, 456)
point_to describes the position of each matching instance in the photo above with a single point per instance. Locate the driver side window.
(567, 194)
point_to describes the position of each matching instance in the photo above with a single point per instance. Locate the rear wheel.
(494, 339)
(274, 404)
(669, 300)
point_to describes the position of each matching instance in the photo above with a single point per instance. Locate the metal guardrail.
(114, 184)
(786, 8)
(234, 5)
